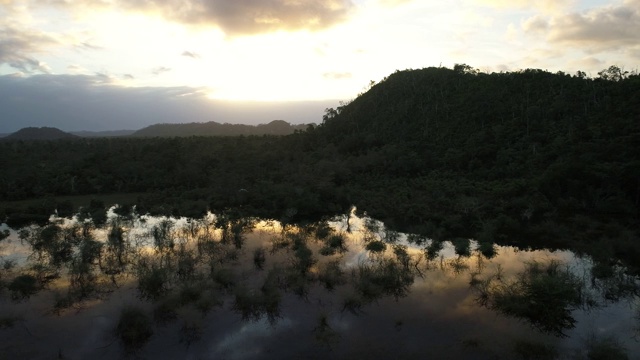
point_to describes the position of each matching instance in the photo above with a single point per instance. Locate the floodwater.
(223, 288)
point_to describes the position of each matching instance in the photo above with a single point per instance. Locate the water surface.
(227, 288)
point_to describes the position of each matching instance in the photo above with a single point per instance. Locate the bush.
(606, 349)
(23, 286)
(153, 283)
(376, 246)
(134, 329)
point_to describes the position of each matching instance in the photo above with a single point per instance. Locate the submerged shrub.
(323, 230)
(462, 247)
(303, 258)
(134, 329)
(224, 277)
(166, 310)
(376, 246)
(332, 244)
(386, 277)
(323, 332)
(8, 322)
(488, 249)
(606, 349)
(331, 275)
(23, 286)
(434, 249)
(259, 258)
(543, 295)
(153, 282)
(190, 332)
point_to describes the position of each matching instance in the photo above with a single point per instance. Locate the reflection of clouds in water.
(612, 321)
(248, 341)
(12, 249)
(355, 258)
(268, 226)
(440, 310)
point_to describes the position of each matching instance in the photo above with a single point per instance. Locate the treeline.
(529, 157)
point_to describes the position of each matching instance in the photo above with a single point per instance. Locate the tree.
(613, 73)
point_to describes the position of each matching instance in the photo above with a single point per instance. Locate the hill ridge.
(213, 128)
(39, 133)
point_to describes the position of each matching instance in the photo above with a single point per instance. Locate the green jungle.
(529, 158)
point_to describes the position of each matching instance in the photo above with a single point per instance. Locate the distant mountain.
(212, 128)
(113, 133)
(42, 133)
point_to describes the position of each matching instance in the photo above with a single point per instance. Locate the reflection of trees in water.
(134, 329)
(187, 271)
(324, 333)
(382, 277)
(611, 281)
(542, 294)
(637, 317)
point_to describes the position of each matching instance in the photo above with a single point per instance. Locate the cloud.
(233, 17)
(546, 6)
(394, 2)
(190, 54)
(588, 62)
(18, 45)
(600, 29)
(536, 24)
(337, 75)
(96, 102)
(160, 70)
(88, 46)
(240, 17)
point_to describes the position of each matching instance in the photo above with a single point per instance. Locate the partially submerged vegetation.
(182, 273)
(543, 294)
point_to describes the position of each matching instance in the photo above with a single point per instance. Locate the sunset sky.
(125, 64)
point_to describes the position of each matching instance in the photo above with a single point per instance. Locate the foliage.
(606, 349)
(134, 328)
(331, 275)
(153, 282)
(544, 295)
(376, 246)
(23, 287)
(383, 277)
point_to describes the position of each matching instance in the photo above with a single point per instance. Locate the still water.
(230, 288)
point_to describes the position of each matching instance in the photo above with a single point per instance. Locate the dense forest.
(531, 158)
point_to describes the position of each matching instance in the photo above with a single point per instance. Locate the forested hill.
(41, 133)
(212, 128)
(444, 107)
(528, 157)
(531, 143)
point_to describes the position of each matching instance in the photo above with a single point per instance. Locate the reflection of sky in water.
(247, 342)
(440, 317)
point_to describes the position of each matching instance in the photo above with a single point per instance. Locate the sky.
(125, 64)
